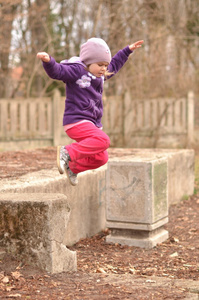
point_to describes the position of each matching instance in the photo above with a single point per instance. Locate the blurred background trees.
(167, 65)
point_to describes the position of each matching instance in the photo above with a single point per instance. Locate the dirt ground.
(108, 271)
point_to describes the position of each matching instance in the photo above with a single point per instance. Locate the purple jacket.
(83, 90)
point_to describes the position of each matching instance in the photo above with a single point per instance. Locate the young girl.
(84, 78)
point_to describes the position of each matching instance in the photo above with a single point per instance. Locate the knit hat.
(95, 50)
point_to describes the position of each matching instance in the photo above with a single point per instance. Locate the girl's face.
(98, 69)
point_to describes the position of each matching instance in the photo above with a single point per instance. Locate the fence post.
(56, 117)
(190, 118)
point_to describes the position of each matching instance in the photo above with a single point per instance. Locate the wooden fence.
(30, 122)
(129, 123)
(163, 122)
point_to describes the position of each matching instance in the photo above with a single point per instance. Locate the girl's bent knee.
(106, 141)
(103, 159)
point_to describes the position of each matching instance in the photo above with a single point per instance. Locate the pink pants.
(90, 150)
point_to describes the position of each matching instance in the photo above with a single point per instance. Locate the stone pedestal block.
(32, 227)
(137, 201)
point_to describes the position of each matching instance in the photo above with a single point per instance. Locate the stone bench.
(86, 201)
(137, 201)
(139, 189)
(32, 227)
(130, 195)
(180, 168)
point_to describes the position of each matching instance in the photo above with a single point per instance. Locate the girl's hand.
(43, 56)
(136, 45)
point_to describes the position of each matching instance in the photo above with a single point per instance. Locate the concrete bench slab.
(137, 201)
(87, 200)
(180, 168)
(32, 227)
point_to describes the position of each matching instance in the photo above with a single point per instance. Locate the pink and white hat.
(95, 50)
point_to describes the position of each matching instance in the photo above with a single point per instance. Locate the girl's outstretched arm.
(43, 56)
(58, 71)
(121, 57)
(136, 45)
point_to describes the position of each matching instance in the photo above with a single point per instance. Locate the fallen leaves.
(170, 258)
(16, 275)
(177, 258)
(13, 296)
(16, 163)
(5, 279)
(174, 240)
(174, 254)
(132, 270)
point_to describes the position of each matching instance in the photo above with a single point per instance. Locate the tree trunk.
(7, 14)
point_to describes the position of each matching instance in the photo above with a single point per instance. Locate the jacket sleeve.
(58, 71)
(119, 60)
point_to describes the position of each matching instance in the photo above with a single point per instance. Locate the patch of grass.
(185, 197)
(196, 189)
